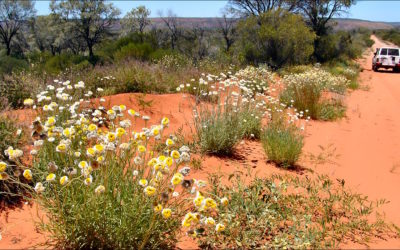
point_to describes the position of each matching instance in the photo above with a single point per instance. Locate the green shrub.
(17, 87)
(135, 51)
(59, 63)
(305, 91)
(331, 111)
(297, 69)
(11, 192)
(392, 35)
(282, 143)
(295, 212)
(250, 122)
(348, 70)
(342, 45)
(136, 76)
(277, 38)
(218, 130)
(10, 64)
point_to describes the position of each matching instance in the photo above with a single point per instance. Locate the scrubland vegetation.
(105, 183)
(392, 35)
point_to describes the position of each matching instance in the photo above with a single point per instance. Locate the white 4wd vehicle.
(387, 58)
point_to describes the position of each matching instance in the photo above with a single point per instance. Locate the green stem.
(147, 235)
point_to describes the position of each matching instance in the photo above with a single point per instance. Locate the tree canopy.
(90, 20)
(13, 15)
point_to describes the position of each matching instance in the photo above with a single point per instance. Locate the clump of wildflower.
(100, 189)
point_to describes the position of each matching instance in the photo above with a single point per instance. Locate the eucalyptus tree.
(136, 20)
(318, 13)
(173, 26)
(227, 28)
(258, 7)
(89, 20)
(46, 33)
(14, 14)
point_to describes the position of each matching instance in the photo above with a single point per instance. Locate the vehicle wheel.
(374, 68)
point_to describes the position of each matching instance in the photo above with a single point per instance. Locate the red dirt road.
(367, 140)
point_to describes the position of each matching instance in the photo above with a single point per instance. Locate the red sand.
(366, 140)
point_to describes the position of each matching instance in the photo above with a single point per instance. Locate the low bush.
(59, 63)
(218, 129)
(105, 186)
(11, 191)
(305, 91)
(392, 35)
(134, 51)
(231, 116)
(250, 122)
(282, 142)
(254, 80)
(9, 64)
(342, 45)
(294, 212)
(14, 88)
(297, 69)
(330, 111)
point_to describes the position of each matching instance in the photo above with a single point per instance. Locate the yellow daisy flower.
(131, 112)
(209, 221)
(165, 121)
(198, 199)
(150, 191)
(111, 137)
(143, 182)
(83, 164)
(175, 154)
(3, 166)
(220, 227)
(88, 180)
(190, 219)
(120, 132)
(166, 213)
(122, 107)
(209, 203)
(90, 152)
(169, 161)
(51, 177)
(27, 174)
(92, 127)
(158, 208)
(177, 179)
(99, 148)
(64, 180)
(61, 148)
(141, 149)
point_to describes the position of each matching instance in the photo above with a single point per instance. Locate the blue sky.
(388, 11)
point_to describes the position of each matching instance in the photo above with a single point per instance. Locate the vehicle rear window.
(383, 52)
(393, 52)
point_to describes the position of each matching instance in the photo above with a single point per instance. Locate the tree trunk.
(8, 47)
(90, 50)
